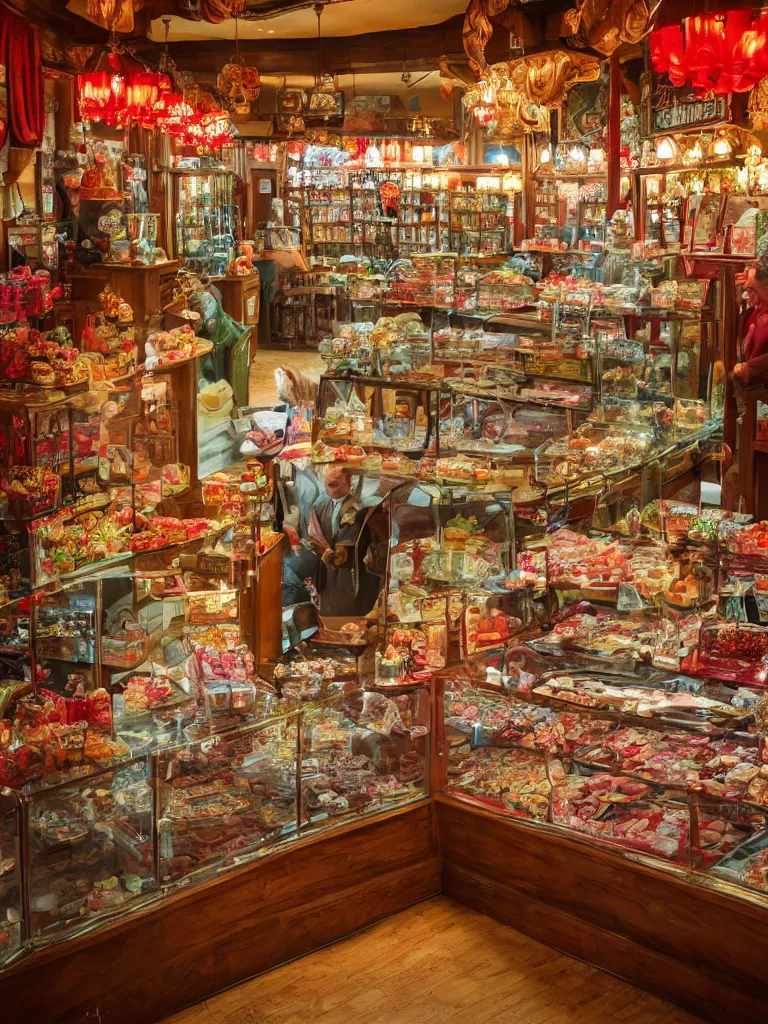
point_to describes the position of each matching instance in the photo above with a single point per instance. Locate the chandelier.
(120, 89)
(518, 93)
(720, 53)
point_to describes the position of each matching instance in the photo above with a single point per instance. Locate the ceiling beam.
(53, 16)
(415, 49)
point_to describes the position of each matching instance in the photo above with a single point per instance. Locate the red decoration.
(142, 93)
(101, 93)
(208, 131)
(20, 52)
(720, 53)
(172, 113)
(120, 90)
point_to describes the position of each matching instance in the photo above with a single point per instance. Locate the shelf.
(569, 176)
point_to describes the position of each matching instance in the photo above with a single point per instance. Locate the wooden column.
(614, 137)
(528, 163)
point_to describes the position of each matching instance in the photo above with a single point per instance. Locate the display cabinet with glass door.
(207, 220)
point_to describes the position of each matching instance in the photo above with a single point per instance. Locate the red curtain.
(20, 53)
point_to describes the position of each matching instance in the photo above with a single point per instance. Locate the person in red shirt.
(754, 367)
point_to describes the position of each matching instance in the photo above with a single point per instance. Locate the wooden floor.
(437, 963)
(266, 361)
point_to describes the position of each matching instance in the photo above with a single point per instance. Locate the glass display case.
(226, 797)
(207, 220)
(34, 245)
(363, 753)
(11, 892)
(91, 850)
(567, 750)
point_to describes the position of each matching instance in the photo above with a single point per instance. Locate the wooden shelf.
(568, 176)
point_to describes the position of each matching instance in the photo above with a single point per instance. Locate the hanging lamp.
(121, 89)
(171, 112)
(720, 53)
(324, 98)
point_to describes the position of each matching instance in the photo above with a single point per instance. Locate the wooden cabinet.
(241, 297)
(268, 604)
(146, 289)
(653, 928)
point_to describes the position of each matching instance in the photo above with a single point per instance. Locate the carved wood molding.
(602, 25)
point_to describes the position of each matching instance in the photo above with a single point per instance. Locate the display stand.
(146, 289)
(240, 297)
(653, 928)
(187, 946)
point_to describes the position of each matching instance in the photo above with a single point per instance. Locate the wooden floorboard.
(436, 963)
(262, 378)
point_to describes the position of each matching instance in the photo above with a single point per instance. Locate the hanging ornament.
(720, 53)
(172, 113)
(115, 15)
(120, 89)
(238, 83)
(216, 11)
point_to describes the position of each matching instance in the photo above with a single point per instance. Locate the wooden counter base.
(702, 949)
(204, 939)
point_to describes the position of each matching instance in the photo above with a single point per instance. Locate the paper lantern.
(667, 149)
(172, 113)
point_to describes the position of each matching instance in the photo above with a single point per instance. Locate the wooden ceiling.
(419, 47)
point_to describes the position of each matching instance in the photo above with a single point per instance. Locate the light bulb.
(664, 149)
(546, 155)
(695, 154)
(721, 147)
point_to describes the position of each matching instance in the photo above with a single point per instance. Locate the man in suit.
(339, 534)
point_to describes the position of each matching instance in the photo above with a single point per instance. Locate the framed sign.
(671, 109)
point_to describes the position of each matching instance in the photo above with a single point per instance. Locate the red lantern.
(101, 93)
(218, 129)
(720, 53)
(172, 113)
(142, 93)
(208, 131)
